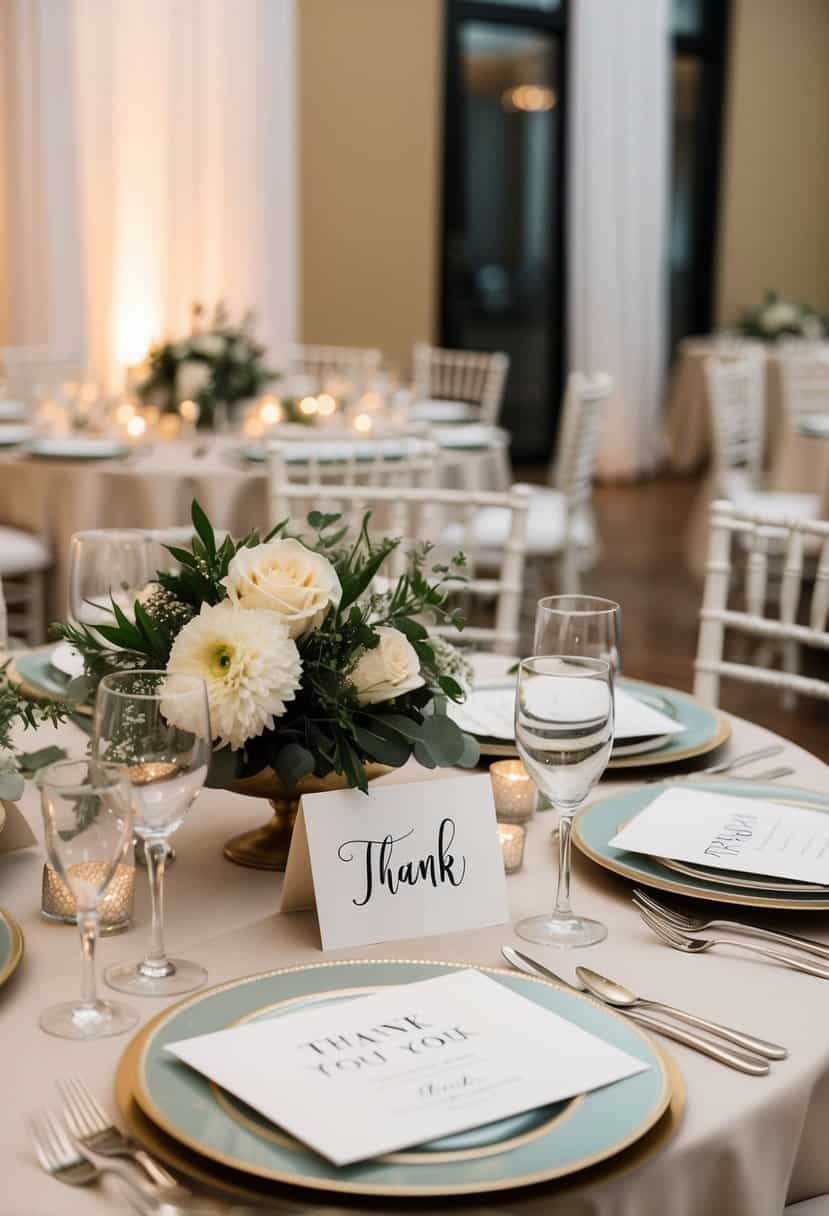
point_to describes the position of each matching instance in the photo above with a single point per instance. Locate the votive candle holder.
(514, 791)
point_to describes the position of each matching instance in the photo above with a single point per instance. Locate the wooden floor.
(642, 530)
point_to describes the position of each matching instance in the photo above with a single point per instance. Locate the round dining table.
(153, 485)
(745, 1145)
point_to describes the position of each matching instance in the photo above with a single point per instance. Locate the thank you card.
(404, 861)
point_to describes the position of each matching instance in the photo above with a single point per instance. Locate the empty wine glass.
(564, 733)
(584, 625)
(107, 564)
(156, 724)
(87, 819)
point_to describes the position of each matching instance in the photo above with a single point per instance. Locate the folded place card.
(745, 835)
(405, 1065)
(489, 713)
(15, 832)
(402, 861)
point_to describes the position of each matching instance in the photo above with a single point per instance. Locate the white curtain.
(148, 160)
(617, 175)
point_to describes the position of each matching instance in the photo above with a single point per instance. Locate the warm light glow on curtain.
(160, 147)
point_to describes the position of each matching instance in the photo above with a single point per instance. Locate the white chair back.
(356, 365)
(31, 371)
(757, 535)
(461, 375)
(572, 468)
(805, 376)
(737, 393)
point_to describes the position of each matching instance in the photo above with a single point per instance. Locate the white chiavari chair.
(412, 513)
(560, 523)
(24, 559)
(32, 371)
(805, 378)
(736, 390)
(353, 365)
(472, 377)
(771, 609)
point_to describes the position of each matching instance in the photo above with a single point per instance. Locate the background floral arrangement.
(308, 670)
(777, 316)
(218, 365)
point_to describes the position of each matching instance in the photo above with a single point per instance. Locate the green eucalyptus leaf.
(292, 763)
(413, 630)
(443, 739)
(452, 688)
(388, 749)
(30, 762)
(11, 785)
(471, 752)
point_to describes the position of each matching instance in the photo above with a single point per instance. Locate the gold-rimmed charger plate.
(31, 671)
(217, 1169)
(11, 945)
(752, 882)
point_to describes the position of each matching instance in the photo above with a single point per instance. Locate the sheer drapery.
(148, 158)
(617, 176)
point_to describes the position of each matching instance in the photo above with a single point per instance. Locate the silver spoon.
(741, 1061)
(613, 993)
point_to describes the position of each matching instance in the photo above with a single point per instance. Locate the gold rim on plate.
(216, 1169)
(16, 933)
(712, 895)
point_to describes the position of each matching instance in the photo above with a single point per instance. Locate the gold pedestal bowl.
(266, 848)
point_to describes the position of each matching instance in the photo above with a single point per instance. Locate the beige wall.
(369, 131)
(775, 189)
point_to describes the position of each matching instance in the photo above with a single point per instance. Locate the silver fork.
(700, 945)
(89, 1123)
(689, 923)
(60, 1158)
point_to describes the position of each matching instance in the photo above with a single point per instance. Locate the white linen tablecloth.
(745, 1143)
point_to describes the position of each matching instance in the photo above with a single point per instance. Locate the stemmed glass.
(579, 625)
(87, 819)
(564, 734)
(106, 564)
(156, 724)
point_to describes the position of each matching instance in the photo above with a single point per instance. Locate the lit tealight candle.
(326, 405)
(512, 837)
(363, 424)
(189, 410)
(136, 427)
(115, 906)
(514, 791)
(270, 411)
(309, 405)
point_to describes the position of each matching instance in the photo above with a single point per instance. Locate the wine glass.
(584, 625)
(87, 820)
(564, 733)
(157, 724)
(107, 564)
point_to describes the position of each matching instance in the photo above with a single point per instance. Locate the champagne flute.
(107, 564)
(564, 733)
(156, 724)
(87, 820)
(586, 625)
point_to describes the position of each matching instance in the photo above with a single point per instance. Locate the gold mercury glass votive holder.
(114, 908)
(513, 838)
(514, 791)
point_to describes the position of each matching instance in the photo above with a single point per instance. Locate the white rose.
(209, 344)
(192, 376)
(391, 669)
(285, 577)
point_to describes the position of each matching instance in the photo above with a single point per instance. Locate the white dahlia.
(249, 663)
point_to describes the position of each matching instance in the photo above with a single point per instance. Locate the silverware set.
(735, 1048)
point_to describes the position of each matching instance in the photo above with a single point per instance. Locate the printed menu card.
(490, 712)
(740, 834)
(406, 1064)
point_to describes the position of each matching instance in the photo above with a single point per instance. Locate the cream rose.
(389, 670)
(192, 376)
(285, 577)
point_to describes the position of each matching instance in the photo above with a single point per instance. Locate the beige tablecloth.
(745, 1143)
(154, 489)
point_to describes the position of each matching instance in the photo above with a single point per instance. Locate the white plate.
(443, 411)
(67, 660)
(13, 411)
(473, 437)
(10, 435)
(78, 447)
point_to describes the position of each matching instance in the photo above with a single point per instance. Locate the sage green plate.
(11, 945)
(543, 1144)
(597, 824)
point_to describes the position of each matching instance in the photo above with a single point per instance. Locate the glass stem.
(562, 905)
(155, 963)
(88, 926)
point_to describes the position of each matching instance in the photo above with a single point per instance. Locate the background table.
(154, 486)
(745, 1144)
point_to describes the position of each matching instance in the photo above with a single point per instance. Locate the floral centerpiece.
(217, 366)
(777, 316)
(314, 679)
